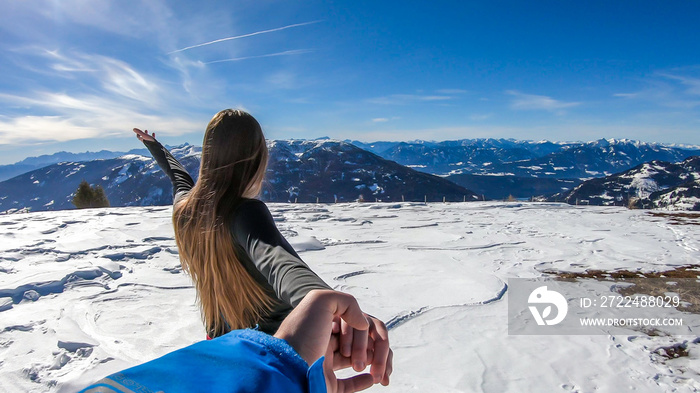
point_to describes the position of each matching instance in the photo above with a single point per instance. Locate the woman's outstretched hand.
(309, 330)
(144, 135)
(361, 348)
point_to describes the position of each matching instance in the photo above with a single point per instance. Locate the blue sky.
(79, 74)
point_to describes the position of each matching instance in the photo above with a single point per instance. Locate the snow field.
(110, 294)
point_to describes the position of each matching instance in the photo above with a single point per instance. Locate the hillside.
(649, 185)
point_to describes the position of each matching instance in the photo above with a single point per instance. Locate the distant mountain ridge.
(31, 163)
(316, 169)
(561, 160)
(303, 171)
(475, 156)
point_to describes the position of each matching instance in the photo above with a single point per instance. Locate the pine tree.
(87, 196)
(100, 197)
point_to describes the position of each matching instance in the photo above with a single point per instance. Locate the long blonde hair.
(234, 160)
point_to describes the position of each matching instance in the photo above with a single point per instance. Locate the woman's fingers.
(143, 135)
(138, 134)
(341, 362)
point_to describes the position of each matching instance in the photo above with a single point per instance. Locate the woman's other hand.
(144, 135)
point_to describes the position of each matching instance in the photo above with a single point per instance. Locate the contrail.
(285, 53)
(244, 36)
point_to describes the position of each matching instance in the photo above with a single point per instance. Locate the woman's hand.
(144, 135)
(366, 347)
(309, 330)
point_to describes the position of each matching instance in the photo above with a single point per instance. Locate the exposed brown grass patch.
(683, 280)
(688, 271)
(673, 351)
(679, 218)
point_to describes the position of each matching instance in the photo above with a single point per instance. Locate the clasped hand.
(331, 324)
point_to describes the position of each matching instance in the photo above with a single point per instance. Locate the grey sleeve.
(181, 180)
(255, 231)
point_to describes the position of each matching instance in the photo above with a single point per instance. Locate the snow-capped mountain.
(492, 168)
(333, 170)
(305, 171)
(130, 180)
(683, 197)
(574, 160)
(31, 163)
(652, 184)
(478, 156)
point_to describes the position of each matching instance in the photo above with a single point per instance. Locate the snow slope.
(86, 293)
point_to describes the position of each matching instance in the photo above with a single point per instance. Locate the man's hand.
(365, 347)
(309, 330)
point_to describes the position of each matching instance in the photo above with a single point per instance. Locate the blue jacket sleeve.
(240, 361)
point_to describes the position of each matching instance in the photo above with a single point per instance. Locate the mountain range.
(541, 159)
(302, 171)
(31, 163)
(327, 170)
(502, 168)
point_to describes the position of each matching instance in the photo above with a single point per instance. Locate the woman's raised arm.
(181, 180)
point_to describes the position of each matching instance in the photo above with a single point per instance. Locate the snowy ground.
(102, 290)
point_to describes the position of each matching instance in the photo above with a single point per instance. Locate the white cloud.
(49, 22)
(692, 84)
(385, 119)
(452, 91)
(671, 89)
(283, 80)
(522, 101)
(41, 129)
(84, 117)
(108, 97)
(112, 75)
(480, 116)
(403, 99)
(626, 95)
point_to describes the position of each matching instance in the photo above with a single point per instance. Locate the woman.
(244, 271)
